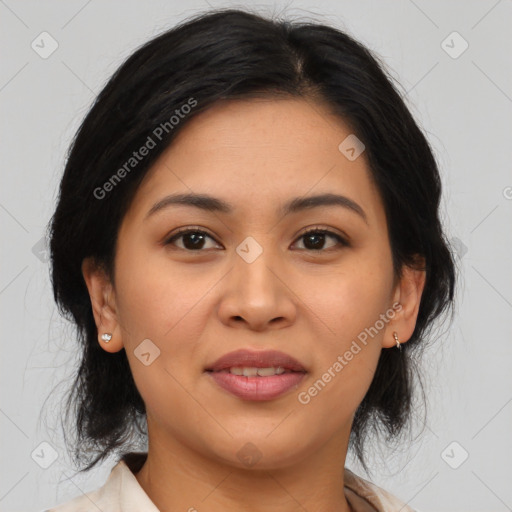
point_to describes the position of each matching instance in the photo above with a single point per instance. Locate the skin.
(196, 306)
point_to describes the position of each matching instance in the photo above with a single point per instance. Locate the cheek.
(347, 359)
(159, 304)
(350, 303)
(349, 298)
(333, 395)
(156, 296)
(164, 310)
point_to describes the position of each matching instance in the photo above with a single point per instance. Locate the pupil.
(316, 237)
(197, 237)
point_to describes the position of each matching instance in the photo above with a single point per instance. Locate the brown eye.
(192, 239)
(315, 239)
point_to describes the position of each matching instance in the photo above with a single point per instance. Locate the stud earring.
(398, 346)
(106, 337)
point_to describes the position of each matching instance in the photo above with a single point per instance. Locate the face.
(248, 276)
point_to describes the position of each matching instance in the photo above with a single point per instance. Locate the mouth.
(254, 371)
(256, 376)
(261, 360)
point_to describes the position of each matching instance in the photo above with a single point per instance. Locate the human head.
(231, 55)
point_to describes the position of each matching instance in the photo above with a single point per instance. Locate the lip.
(256, 359)
(256, 388)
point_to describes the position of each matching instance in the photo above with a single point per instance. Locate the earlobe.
(408, 293)
(103, 305)
(110, 342)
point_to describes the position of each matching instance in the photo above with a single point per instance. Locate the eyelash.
(317, 230)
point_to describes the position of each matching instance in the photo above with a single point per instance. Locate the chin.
(255, 453)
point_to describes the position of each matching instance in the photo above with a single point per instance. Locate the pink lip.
(255, 387)
(252, 359)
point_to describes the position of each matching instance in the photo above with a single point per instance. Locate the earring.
(398, 346)
(106, 337)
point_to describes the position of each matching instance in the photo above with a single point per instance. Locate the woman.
(247, 238)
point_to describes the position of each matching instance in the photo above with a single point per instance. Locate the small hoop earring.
(398, 346)
(106, 337)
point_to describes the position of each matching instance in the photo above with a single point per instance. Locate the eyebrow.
(212, 204)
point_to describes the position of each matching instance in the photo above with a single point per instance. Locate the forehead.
(256, 155)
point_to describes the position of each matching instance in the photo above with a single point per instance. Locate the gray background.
(464, 105)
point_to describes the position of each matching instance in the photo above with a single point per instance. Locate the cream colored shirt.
(123, 493)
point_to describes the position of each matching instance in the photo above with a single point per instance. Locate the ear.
(407, 293)
(101, 293)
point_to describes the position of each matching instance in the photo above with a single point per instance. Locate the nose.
(257, 294)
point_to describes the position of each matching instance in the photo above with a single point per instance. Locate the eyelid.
(326, 229)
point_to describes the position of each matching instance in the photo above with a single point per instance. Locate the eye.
(314, 239)
(193, 239)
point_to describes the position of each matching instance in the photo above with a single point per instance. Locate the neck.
(178, 478)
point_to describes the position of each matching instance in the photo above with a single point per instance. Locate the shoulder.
(361, 494)
(85, 503)
(120, 493)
